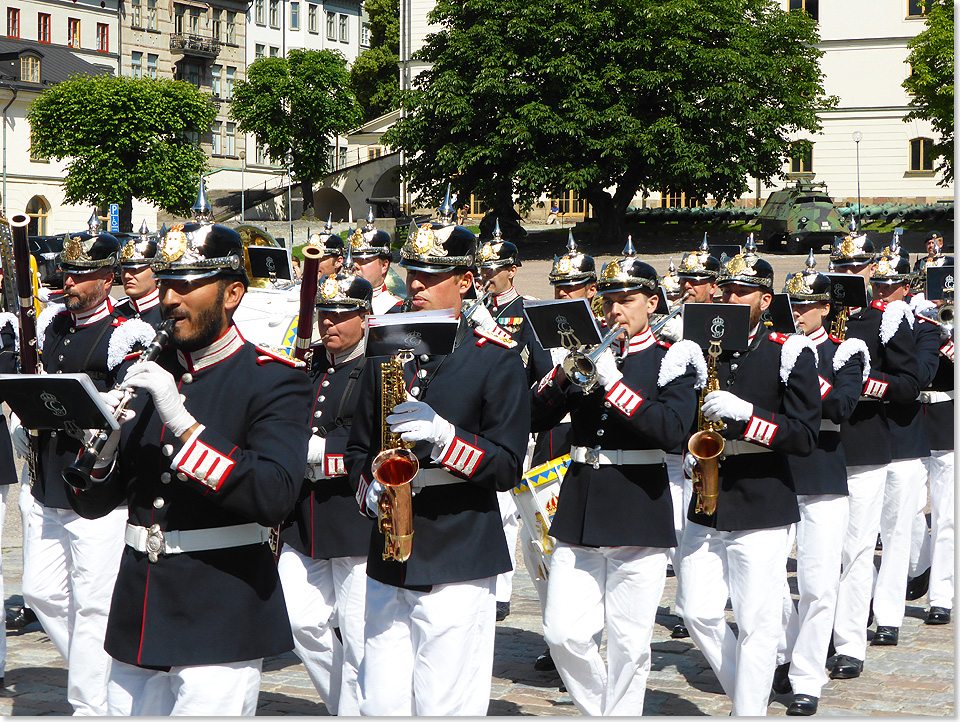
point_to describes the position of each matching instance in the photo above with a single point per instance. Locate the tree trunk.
(126, 215)
(611, 211)
(306, 190)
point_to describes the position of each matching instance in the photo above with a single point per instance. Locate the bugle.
(581, 368)
(78, 475)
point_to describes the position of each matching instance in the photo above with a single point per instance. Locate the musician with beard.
(210, 455)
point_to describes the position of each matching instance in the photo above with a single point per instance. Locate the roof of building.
(57, 63)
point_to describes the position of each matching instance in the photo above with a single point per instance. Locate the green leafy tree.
(297, 105)
(126, 138)
(374, 74)
(931, 82)
(526, 97)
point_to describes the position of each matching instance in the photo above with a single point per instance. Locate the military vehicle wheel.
(794, 247)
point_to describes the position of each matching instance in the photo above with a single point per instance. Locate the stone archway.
(330, 200)
(388, 184)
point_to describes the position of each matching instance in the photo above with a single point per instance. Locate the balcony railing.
(194, 45)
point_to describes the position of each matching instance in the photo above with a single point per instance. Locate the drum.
(536, 499)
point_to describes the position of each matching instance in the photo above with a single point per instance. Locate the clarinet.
(78, 475)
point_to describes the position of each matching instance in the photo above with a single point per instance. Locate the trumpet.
(675, 308)
(581, 368)
(942, 316)
(78, 474)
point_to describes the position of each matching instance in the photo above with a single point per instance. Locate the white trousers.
(215, 690)
(904, 481)
(322, 594)
(933, 549)
(681, 491)
(3, 596)
(511, 528)
(587, 585)
(749, 567)
(865, 484)
(428, 653)
(809, 624)
(70, 565)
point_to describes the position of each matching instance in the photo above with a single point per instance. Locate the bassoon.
(308, 303)
(27, 313)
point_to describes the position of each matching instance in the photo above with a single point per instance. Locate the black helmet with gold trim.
(89, 250)
(329, 243)
(808, 285)
(573, 267)
(893, 265)
(628, 273)
(853, 249)
(369, 241)
(746, 269)
(439, 246)
(497, 253)
(139, 251)
(344, 291)
(700, 263)
(671, 281)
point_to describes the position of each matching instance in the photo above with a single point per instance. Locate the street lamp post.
(857, 136)
(289, 160)
(243, 190)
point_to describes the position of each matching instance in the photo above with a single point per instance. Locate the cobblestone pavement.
(914, 678)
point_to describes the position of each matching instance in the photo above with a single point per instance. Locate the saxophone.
(838, 329)
(394, 467)
(707, 444)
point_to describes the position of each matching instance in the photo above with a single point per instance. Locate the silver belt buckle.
(155, 543)
(924, 397)
(592, 457)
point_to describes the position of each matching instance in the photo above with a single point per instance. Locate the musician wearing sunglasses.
(210, 455)
(614, 518)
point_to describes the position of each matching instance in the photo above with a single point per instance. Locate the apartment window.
(215, 24)
(365, 35)
(215, 140)
(568, 202)
(178, 12)
(331, 26)
(258, 53)
(194, 21)
(103, 37)
(342, 157)
(274, 51)
(810, 7)
(917, 8)
(231, 28)
(374, 152)
(228, 87)
(193, 137)
(37, 210)
(136, 65)
(294, 16)
(230, 146)
(477, 207)
(43, 27)
(13, 23)
(921, 155)
(152, 65)
(668, 199)
(151, 14)
(258, 12)
(73, 33)
(192, 74)
(274, 13)
(37, 158)
(344, 28)
(29, 69)
(312, 18)
(215, 80)
(801, 158)
(260, 155)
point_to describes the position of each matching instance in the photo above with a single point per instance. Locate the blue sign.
(114, 217)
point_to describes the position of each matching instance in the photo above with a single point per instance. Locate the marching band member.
(212, 453)
(866, 437)
(332, 247)
(770, 402)
(70, 562)
(323, 565)
(430, 620)
(8, 470)
(371, 259)
(935, 257)
(821, 484)
(143, 297)
(613, 522)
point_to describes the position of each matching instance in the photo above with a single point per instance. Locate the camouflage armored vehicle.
(801, 216)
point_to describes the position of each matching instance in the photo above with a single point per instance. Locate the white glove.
(316, 449)
(163, 388)
(372, 500)
(723, 404)
(689, 461)
(607, 372)
(416, 421)
(557, 355)
(112, 399)
(20, 436)
(482, 318)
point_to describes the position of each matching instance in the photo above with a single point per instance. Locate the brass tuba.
(707, 444)
(394, 467)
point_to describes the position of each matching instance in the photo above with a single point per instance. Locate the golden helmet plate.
(796, 285)
(883, 267)
(73, 249)
(848, 247)
(174, 243)
(564, 265)
(425, 239)
(736, 265)
(329, 288)
(356, 240)
(611, 271)
(486, 252)
(691, 262)
(129, 251)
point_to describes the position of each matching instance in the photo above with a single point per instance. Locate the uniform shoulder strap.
(340, 419)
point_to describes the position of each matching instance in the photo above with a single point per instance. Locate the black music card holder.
(939, 279)
(270, 262)
(567, 323)
(419, 332)
(726, 323)
(780, 314)
(728, 249)
(847, 289)
(56, 401)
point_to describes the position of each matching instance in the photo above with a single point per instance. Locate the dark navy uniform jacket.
(507, 310)
(907, 428)
(938, 416)
(246, 465)
(146, 308)
(72, 344)
(326, 523)
(651, 407)
(778, 375)
(9, 324)
(458, 535)
(840, 371)
(894, 376)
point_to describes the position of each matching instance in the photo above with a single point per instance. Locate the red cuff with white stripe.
(875, 389)
(205, 464)
(825, 386)
(547, 380)
(333, 465)
(462, 457)
(760, 431)
(362, 493)
(947, 350)
(624, 399)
